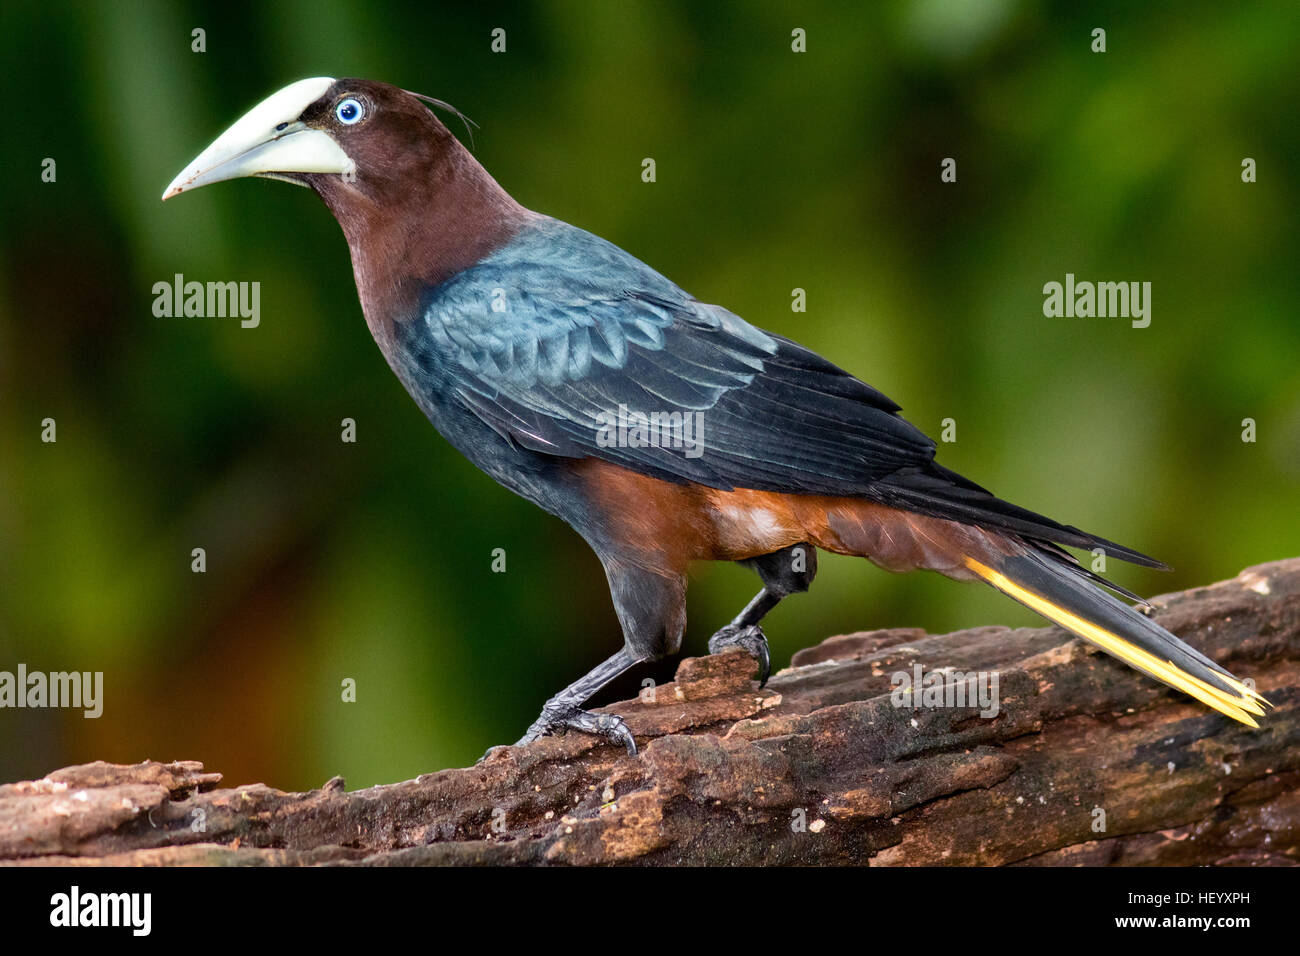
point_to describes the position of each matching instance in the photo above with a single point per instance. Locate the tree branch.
(1086, 761)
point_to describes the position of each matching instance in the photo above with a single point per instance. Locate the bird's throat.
(405, 241)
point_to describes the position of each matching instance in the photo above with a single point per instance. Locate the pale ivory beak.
(253, 146)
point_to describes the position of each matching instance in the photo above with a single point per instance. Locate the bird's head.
(350, 140)
(414, 205)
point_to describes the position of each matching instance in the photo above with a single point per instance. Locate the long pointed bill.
(270, 141)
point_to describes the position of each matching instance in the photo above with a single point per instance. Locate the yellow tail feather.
(1238, 707)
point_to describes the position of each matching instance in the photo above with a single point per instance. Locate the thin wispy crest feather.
(444, 105)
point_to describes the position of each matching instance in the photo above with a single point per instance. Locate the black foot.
(752, 639)
(561, 718)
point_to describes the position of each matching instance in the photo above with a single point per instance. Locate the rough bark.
(819, 767)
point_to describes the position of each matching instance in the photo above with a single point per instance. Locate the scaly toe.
(559, 720)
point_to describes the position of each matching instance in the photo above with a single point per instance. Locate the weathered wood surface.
(819, 767)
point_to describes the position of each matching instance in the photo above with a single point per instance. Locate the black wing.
(560, 334)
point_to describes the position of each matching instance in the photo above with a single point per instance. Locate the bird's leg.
(564, 712)
(784, 572)
(651, 606)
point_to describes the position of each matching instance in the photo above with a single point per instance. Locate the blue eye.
(349, 112)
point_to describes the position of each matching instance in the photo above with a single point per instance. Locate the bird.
(664, 430)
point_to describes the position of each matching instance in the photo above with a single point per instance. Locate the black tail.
(943, 493)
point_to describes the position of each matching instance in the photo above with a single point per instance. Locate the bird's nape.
(470, 125)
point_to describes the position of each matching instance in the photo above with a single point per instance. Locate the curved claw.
(752, 640)
(612, 728)
(561, 719)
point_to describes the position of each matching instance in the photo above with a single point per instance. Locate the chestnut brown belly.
(670, 525)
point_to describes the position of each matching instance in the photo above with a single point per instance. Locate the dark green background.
(776, 170)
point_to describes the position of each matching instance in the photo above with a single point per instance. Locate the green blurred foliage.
(776, 170)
